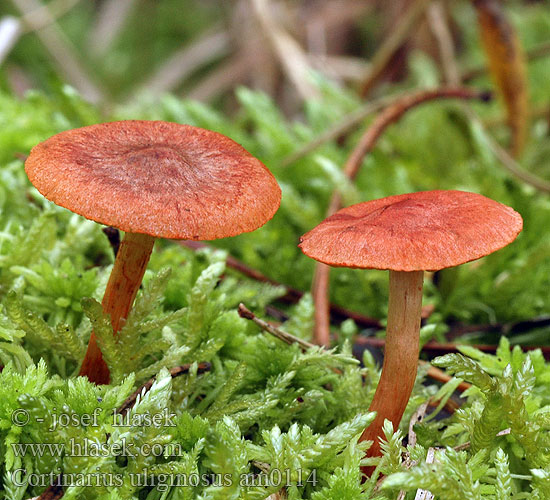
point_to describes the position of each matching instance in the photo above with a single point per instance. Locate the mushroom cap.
(163, 179)
(424, 231)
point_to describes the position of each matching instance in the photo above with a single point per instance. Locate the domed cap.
(424, 231)
(163, 179)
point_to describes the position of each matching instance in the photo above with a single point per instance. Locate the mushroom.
(407, 235)
(151, 179)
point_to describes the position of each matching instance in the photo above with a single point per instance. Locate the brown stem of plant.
(390, 115)
(287, 338)
(122, 287)
(400, 357)
(439, 375)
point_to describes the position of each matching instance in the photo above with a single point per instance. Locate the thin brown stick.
(351, 168)
(286, 337)
(392, 114)
(433, 372)
(439, 375)
(394, 41)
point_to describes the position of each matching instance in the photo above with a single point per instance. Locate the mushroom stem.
(400, 356)
(122, 287)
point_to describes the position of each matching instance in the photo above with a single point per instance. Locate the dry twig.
(286, 337)
(292, 296)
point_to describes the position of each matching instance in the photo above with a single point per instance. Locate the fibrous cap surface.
(159, 178)
(428, 231)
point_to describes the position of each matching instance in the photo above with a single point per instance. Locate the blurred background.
(114, 51)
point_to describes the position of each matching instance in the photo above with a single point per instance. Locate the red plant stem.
(367, 142)
(400, 357)
(122, 287)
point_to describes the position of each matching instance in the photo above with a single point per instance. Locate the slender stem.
(124, 282)
(400, 357)
(320, 292)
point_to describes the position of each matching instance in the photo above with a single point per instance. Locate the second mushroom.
(407, 235)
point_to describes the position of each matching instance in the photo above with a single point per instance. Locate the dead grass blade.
(507, 66)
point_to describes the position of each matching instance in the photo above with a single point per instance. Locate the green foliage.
(494, 446)
(264, 409)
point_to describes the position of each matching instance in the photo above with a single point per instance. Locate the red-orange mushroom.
(151, 179)
(407, 235)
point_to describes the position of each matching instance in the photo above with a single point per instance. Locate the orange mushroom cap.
(163, 179)
(424, 231)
